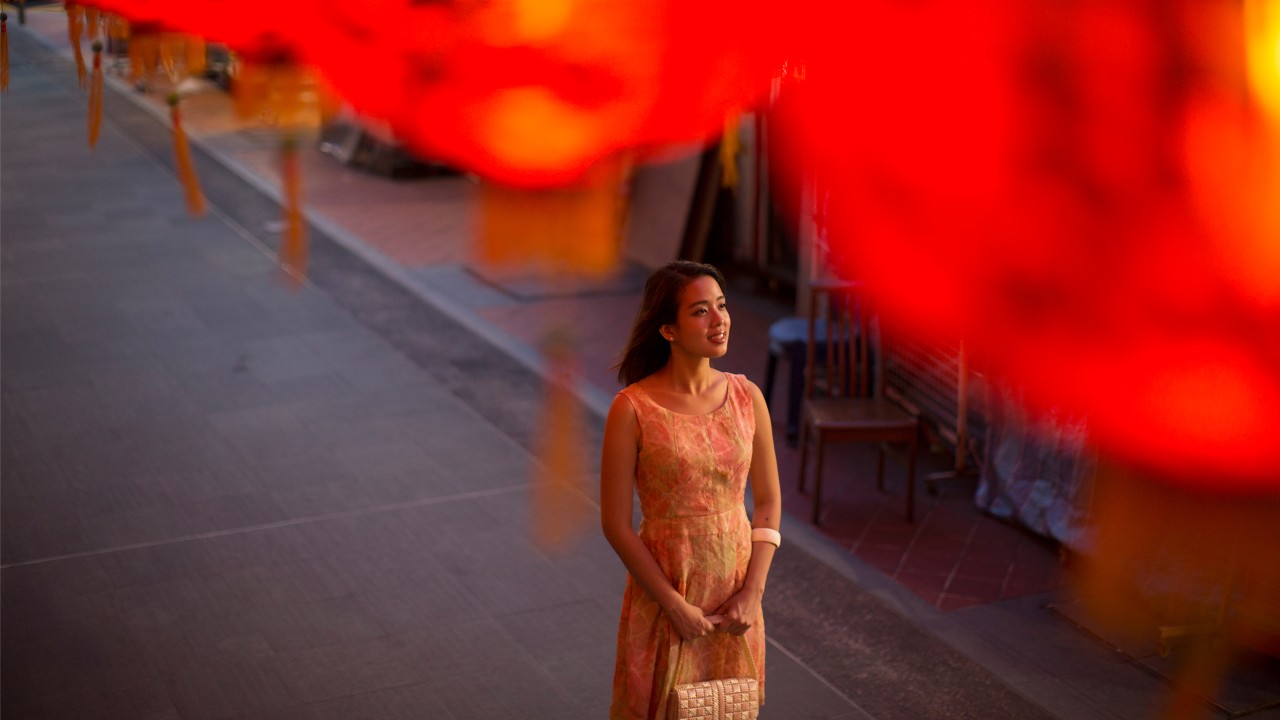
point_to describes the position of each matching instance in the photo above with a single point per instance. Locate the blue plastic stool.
(790, 336)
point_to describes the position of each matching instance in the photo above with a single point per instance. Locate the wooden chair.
(840, 403)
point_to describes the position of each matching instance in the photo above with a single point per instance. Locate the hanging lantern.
(534, 93)
(271, 85)
(1084, 194)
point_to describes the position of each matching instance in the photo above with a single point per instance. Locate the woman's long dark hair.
(647, 351)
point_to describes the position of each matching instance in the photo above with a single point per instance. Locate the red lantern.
(533, 93)
(1086, 195)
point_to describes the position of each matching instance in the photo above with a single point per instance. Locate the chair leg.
(770, 369)
(804, 454)
(817, 481)
(880, 467)
(796, 353)
(911, 481)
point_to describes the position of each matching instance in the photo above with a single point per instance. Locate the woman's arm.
(741, 609)
(617, 482)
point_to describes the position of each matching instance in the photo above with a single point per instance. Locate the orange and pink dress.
(691, 476)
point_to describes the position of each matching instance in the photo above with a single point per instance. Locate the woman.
(686, 437)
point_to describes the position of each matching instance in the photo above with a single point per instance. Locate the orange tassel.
(117, 28)
(4, 51)
(574, 230)
(194, 51)
(293, 246)
(148, 54)
(144, 56)
(135, 58)
(559, 502)
(166, 55)
(1190, 570)
(91, 23)
(95, 96)
(730, 144)
(182, 156)
(75, 25)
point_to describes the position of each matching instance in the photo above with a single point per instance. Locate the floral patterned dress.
(691, 475)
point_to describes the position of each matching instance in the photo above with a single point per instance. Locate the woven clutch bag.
(730, 699)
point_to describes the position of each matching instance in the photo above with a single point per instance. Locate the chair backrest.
(933, 381)
(837, 354)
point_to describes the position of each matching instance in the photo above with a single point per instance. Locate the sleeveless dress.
(691, 475)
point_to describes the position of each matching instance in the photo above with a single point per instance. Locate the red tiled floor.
(925, 584)
(948, 602)
(926, 562)
(886, 560)
(954, 556)
(981, 567)
(978, 589)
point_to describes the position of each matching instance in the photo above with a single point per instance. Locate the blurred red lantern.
(1085, 194)
(533, 93)
(526, 92)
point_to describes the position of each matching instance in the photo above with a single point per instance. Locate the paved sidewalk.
(226, 499)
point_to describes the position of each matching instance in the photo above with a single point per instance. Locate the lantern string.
(95, 96)
(293, 246)
(182, 157)
(4, 51)
(75, 19)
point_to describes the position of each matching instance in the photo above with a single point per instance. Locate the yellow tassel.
(574, 230)
(182, 156)
(4, 51)
(729, 146)
(293, 246)
(75, 26)
(560, 504)
(95, 96)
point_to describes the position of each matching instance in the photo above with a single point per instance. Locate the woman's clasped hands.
(733, 616)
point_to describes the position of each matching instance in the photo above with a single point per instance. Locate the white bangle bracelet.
(769, 535)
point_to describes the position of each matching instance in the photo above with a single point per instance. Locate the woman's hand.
(689, 620)
(738, 612)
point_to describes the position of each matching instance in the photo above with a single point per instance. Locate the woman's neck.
(689, 375)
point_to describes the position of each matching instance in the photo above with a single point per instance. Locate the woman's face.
(701, 328)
